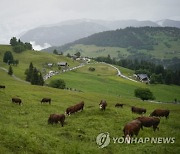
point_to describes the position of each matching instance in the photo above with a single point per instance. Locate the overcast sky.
(18, 16)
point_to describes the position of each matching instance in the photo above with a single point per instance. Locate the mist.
(19, 16)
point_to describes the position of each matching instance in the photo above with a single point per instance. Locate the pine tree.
(29, 72)
(10, 71)
(41, 80)
(35, 77)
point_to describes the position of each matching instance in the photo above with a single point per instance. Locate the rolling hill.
(158, 44)
(24, 129)
(39, 59)
(69, 31)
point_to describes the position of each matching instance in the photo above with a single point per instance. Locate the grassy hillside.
(39, 59)
(24, 129)
(104, 80)
(146, 42)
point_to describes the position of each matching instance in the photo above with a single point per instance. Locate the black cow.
(2, 87)
(46, 100)
(119, 105)
(16, 100)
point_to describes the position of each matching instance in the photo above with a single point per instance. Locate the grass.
(99, 82)
(39, 60)
(161, 51)
(24, 129)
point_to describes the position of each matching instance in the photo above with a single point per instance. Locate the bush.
(59, 83)
(91, 69)
(10, 70)
(8, 57)
(144, 94)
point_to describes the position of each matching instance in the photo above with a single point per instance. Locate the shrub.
(10, 70)
(91, 69)
(59, 83)
(144, 94)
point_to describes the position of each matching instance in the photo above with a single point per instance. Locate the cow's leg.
(154, 128)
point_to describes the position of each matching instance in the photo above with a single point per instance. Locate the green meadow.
(161, 51)
(24, 129)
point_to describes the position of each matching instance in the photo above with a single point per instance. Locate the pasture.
(24, 129)
(39, 60)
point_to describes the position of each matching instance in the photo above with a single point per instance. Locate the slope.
(39, 59)
(24, 129)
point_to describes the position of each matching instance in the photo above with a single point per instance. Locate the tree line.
(131, 37)
(18, 46)
(157, 73)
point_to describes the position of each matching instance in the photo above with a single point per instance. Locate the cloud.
(39, 47)
(21, 15)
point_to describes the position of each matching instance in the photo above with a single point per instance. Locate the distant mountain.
(130, 37)
(62, 34)
(69, 31)
(168, 23)
(113, 25)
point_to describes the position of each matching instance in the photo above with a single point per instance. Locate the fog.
(18, 16)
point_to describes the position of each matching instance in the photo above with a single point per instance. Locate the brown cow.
(2, 87)
(102, 105)
(138, 110)
(150, 121)
(16, 100)
(132, 128)
(160, 113)
(55, 118)
(46, 100)
(119, 105)
(75, 108)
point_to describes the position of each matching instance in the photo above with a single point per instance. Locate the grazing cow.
(150, 121)
(102, 105)
(132, 128)
(138, 110)
(46, 100)
(16, 100)
(55, 118)
(160, 113)
(119, 105)
(2, 87)
(75, 108)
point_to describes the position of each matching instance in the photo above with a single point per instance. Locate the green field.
(24, 129)
(160, 51)
(39, 60)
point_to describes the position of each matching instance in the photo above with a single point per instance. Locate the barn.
(143, 78)
(64, 64)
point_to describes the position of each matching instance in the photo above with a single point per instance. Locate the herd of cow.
(130, 129)
(134, 126)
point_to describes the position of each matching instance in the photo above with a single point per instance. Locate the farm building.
(50, 64)
(143, 78)
(62, 64)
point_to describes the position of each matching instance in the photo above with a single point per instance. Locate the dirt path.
(15, 77)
